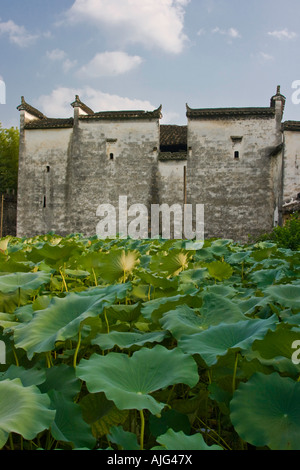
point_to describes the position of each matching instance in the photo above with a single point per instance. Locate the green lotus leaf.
(217, 340)
(239, 257)
(182, 321)
(287, 295)
(265, 411)
(266, 277)
(219, 270)
(33, 376)
(219, 309)
(59, 321)
(265, 250)
(157, 281)
(129, 381)
(154, 309)
(276, 350)
(23, 410)
(10, 283)
(7, 320)
(68, 425)
(124, 313)
(53, 255)
(159, 425)
(126, 440)
(101, 414)
(125, 340)
(172, 440)
(193, 276)
(61, 378)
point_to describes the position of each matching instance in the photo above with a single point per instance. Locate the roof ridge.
(30, 109)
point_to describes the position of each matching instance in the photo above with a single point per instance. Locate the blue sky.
(138, 54)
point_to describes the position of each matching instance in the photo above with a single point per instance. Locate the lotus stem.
(11, 442)
(16, 357)
(77, 349)
(95, 278)
(234, 372)
(106, 320)
(64, 281)
(142, 430)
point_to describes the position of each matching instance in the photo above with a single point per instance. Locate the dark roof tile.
(173, 138)
(50, 123)
(124, 115)
(291, 126)
(229, 113)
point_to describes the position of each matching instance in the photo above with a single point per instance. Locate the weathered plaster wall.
(291, 171)
(237, 192)
(42, 181)
(171, 181)
(108, 160)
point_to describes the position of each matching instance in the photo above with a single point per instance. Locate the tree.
(9, 158)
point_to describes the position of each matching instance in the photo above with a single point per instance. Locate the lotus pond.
(142, 345)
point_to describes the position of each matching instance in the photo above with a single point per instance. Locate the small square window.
(236, 155)
(111, 156)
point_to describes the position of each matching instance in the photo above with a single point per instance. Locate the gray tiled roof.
(124, 115)
(173, 138)
(291, 126)
(50, 123)
(172, 156)
(229, 113)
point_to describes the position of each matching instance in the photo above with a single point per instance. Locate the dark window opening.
(48, 168)
(44, 202)
(111, 156)
(236, 155)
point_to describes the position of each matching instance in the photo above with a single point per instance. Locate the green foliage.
(122, 344)
(287, 236)
(9, 157)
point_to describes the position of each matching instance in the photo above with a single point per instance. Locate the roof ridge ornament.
(24, 106)
(79, 104)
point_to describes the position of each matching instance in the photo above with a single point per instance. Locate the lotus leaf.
(265, 411)
(179, 441)
(125, 340)
(59, 321)
(25, 281)
(218, 340)
(129, 381)
(23, 410)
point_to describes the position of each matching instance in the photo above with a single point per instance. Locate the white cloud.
(109, 64)
(262, 57)
(17, 34)
(148, 22)
(230, 33)
(57, 103)
(266, 57)
(283, 34)
(201, 32)
(56, 54)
